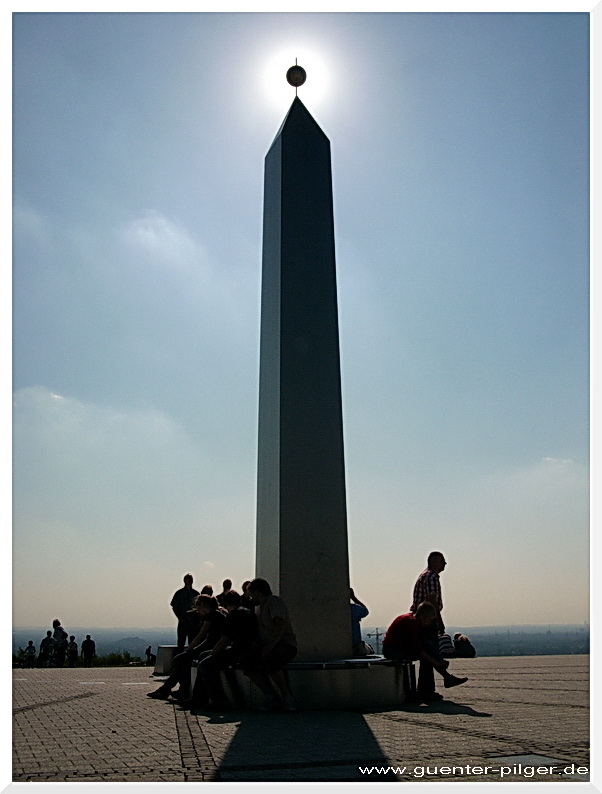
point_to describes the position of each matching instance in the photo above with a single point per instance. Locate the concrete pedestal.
(164, 661)
(369, 685)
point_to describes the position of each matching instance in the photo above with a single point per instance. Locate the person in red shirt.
(410, 637)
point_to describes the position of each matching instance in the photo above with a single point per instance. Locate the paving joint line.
(193, 767)
(463, 730)
(19, 709)
(523, 688)
(99, 774)
(522, 703)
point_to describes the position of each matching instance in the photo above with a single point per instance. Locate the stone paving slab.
(80, 725)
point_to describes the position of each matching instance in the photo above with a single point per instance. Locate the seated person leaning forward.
(410, 637)
(278, 646)
(211, 630)
(240, 635)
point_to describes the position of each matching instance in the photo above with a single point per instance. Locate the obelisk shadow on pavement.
(325, 745)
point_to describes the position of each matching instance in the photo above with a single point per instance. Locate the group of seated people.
(261, 642)
(253, 631)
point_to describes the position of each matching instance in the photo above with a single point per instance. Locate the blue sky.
(460, 171)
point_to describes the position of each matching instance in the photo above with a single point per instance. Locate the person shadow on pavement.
(443, 707)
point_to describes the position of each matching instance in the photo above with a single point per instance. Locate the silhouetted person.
(62, 641)
(226, 587)
(240, 634)
(72, 652)
(278, 646)
(463, 646)
(150, 656)
(47, 648)
(88, 651)
(358, 611)
(410, 637)
(181, 603)
(211, 631)
(30, 654)
(207, 590)
(428, 588)
(245, 599)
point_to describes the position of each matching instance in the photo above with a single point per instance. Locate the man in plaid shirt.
(428, 587)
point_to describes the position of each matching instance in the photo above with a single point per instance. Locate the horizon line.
(584, 624)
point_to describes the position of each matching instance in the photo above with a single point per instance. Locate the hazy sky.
(460, 170)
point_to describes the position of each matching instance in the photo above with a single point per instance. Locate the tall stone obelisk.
(301, 506)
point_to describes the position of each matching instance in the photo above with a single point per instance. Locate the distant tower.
(301, 505)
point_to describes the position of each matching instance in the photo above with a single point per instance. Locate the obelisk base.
(369, 685)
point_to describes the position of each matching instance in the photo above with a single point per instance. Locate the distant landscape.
(527, 640)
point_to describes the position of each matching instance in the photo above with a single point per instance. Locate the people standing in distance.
(47, 648)
(30, 654)
(72, 652)
(409, 638)
(181, 604)
(62, 641)
(88, 651)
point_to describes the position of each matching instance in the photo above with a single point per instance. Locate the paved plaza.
(97, 724)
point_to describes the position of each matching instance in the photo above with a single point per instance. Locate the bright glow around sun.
(280, 94)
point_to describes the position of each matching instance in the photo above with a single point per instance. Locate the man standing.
(72, 652)
(278, 646)
(88, 651)
(62, 641)
(428, 588)
(30, 654)
(226, 587)
(47, 648)
(410, 637)
(181, 603)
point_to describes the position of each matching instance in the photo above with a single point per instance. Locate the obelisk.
(301, 505)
